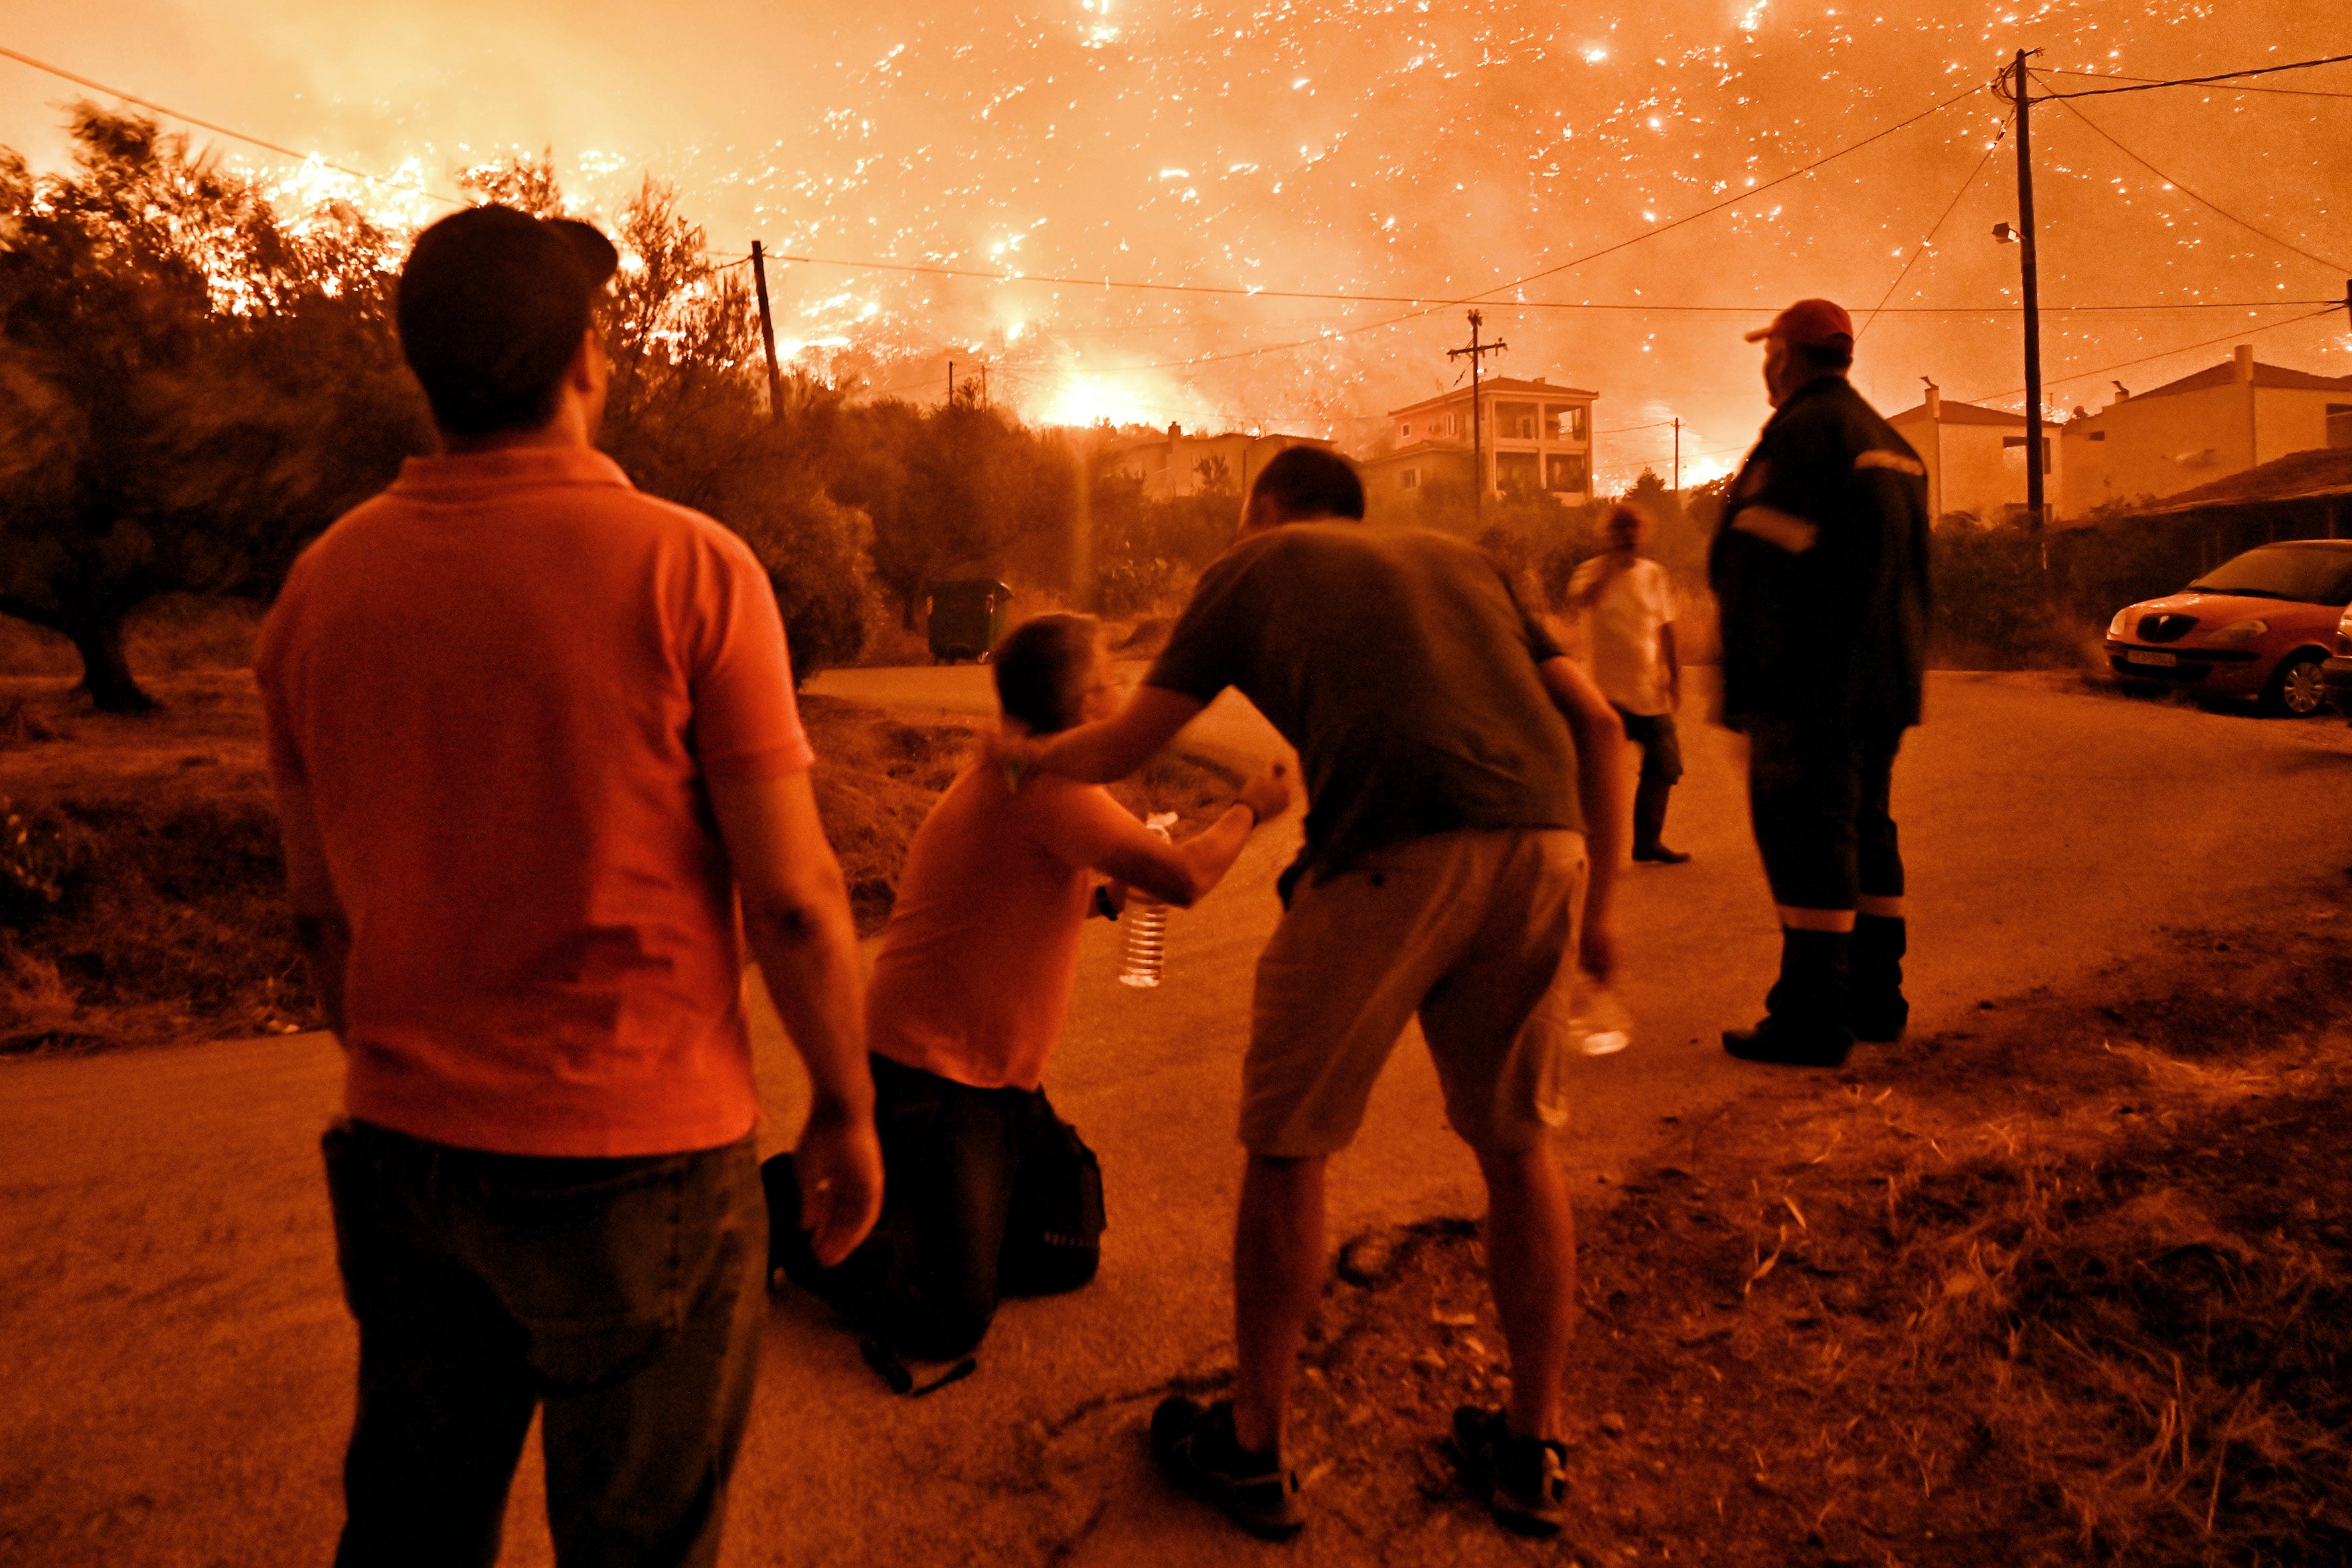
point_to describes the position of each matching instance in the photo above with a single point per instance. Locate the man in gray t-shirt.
(1455, 761)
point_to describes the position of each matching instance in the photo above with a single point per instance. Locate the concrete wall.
(1969, 469)
(2163, 445)
(1171, 466)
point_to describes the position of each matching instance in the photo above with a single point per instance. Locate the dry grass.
(142, 902)
(2074, 1287)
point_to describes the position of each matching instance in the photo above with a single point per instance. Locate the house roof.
(2325, 471)
(2225, 372)
(1492, 383)
(1949, 412)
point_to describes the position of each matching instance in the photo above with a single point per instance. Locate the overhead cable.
(2201, 80)
(2336, 267)
(2167, 354)
(224, 131)
(1921, 248)
(2225, 87)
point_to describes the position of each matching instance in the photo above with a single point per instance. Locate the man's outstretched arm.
(1112, 748)
(796, 920)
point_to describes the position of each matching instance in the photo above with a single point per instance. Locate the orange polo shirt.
(503, 682)
(977, 963)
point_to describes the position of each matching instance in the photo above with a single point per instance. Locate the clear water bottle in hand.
(1601, 1026)
(1147, 923)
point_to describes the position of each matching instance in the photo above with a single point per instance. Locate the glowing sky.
(1415, 148)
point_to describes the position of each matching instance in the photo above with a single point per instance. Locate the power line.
(1921, 250)
(2199, 80)
(2167, 354)
(2193, 195)
(1879, 135)
(224, 131)
(2225, 87)
(1647, 234)
(1434, 302)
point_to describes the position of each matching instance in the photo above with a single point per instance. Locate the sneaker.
(1522, 1480)
(1196, 1447)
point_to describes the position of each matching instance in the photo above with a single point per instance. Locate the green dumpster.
(967, 617)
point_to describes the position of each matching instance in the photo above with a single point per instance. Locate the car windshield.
(2304, 574)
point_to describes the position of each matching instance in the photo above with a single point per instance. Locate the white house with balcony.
(1535, 438)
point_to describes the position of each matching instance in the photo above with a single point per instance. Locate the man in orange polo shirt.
(532, 733)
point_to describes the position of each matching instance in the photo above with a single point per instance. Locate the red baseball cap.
(1809, 324)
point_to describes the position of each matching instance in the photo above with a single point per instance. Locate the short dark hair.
(1310, 482)
(491, 306)
(1823, 358)
(1040, 670)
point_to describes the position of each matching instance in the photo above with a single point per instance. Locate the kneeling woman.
(980, 1178)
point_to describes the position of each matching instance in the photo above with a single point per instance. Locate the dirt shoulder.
(141, 902)
(2072, 1285)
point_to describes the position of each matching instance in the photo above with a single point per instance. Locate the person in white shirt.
(1629, 616)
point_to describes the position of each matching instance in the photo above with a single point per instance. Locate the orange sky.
(1429, 149)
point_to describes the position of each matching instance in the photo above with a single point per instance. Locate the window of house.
(1518, 470)
(2095, 435)
(2339, 424)
(2018, 442)
(1563, 422)
(1566, 471)
(1404, 431)
(1410, 480)
(1515, 421)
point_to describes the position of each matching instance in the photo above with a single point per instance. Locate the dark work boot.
(1879, 1010)
(1649, 821)
(1805, 1012)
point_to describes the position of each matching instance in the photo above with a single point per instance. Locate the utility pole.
(1678, 458)
(2034, 512)
(951, 403)
(1477, 353)
(983, 384)
(768, 332)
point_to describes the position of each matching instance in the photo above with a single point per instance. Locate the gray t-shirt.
(1401, 665)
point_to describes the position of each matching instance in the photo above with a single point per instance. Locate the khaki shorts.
(1476, 933)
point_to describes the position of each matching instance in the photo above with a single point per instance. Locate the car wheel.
(2296, 690)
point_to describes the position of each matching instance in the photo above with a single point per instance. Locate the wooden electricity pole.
(1678, 458)
(768, 332)
(1478, 352)
(2029, 266)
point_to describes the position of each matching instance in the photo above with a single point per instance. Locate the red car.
(2259, 625)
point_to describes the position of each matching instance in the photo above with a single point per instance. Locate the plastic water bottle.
(1147, 923)
(1601, 1026)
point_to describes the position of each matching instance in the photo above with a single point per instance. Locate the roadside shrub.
(1147, 553)
(814, 551)
(1993, 605)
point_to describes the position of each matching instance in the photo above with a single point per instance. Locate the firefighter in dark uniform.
(1819, 567)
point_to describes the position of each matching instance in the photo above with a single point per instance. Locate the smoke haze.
(1412, 149)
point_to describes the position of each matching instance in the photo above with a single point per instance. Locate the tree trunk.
(105, 673)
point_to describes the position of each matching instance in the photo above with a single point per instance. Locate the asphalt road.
(175, 1365)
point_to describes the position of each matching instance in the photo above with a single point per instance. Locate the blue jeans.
(624, 1296)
